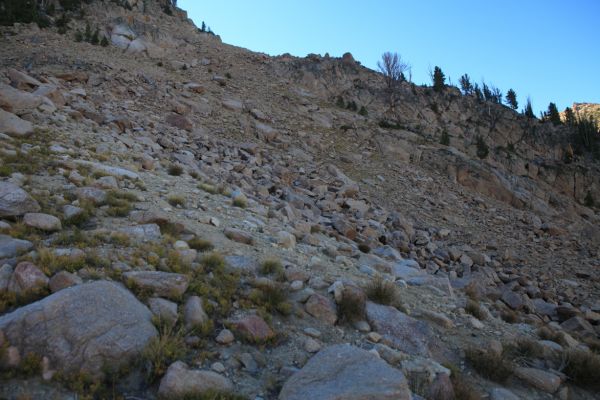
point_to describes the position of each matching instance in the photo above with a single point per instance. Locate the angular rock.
(180, 122)
(180, 381)
(164, 309)
(143, 232)
(399, 330)
(117, 172)
(17, 101)
(162, 284)
(225, 337)
(346, 372)
(14, 201)
(321, 308)
(12, 125)
(93, 195)
(27, 278)
(578, 324)
(63, 280)
(238, 235)
(439, 282)
(194, 315)
(254, 328)
(44, 222)
(21, 80)
(543, 380)
(502, 394)
(513, 299)
(82, 328)
(286, 240)
(6, 272)
(11, 247)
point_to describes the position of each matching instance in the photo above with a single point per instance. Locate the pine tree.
(487, 92)
(104, 42)
(465, 84)
(88, 33)
(552, 114)
(528, 111)
(570, 117)
(511, 99)
(203, 29)
(439, 79)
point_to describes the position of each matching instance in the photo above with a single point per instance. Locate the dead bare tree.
(392, 67)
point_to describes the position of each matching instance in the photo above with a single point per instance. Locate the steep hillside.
(183, 217)
(587, 109)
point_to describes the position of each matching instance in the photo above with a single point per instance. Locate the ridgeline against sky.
(542, 49)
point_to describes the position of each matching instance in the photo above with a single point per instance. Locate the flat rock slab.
(399, 330)
(538, 378)
(82, 328)
(238, 235)
(180, 381)
(11, 247)
(44, 222)
(162, 284)
(117, 172)
(254, 329)
(14, 201)
(14, 126)
(142, 232)
(346, 372)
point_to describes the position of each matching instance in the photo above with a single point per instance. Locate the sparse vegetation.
(199, 244)
(272, 297)
(489, 364)
(445, 139)
(163, 350)
(474, 309)
(351, 307)
(175, 170)
(583, 367)
(240, 202)
(176, 200)
(439, 79)
(382, 291)
(482, 147)
(271, 267)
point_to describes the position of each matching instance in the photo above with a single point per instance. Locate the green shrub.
(589, 200)
(163, 350)
(271, 266)
(176, 201)
(482, 148)
(445, 139)
(363, 111)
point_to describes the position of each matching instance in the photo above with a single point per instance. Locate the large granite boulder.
(346, 372)
(82, 328)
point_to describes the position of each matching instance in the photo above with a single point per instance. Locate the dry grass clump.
(382, 291)
(50, 263)
(524, 349)
(199, 244)
(474, 308)
(175, 170)
(509, 316)
(583, 367)
(546, 333)
(176, 201)
(489, 364)
(271, 267)
(163, 350)
(272, 297)
(351, 307)
(119, 203)
(208, 188)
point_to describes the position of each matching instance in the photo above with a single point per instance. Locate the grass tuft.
(175, 170)
(489, 364)
(382, 291)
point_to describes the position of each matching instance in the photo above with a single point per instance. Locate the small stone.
(373, 337)
(311, 345)
(286, 240)
(312, 332)
(361, 326)
(218, 367)
(225, 337)
(296, 285)
(163, 284)
(475, 323)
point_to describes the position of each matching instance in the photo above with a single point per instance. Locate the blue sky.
(546, 49)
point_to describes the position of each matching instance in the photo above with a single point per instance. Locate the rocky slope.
(181, 216)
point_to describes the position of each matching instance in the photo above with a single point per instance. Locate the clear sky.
(546, 49)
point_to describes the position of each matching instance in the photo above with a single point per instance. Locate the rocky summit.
(183, 218)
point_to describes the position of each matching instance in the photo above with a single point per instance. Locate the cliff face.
(253, 205)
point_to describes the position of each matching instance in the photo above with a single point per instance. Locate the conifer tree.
(439, 79)
(528, 111)
(570, 117)
(552, 114)
(511, 99)
(465, 84)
